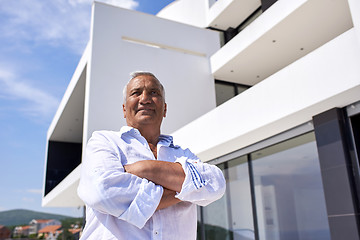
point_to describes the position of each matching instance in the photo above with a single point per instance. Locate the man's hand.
(168, 199)
(167, 174)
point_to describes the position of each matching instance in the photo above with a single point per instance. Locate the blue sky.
(41, 42)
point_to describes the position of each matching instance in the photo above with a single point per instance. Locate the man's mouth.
(145, 110)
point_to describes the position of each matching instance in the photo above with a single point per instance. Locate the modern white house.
(37, 224)
(267, 90)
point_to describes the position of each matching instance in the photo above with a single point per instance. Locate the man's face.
(145, 103)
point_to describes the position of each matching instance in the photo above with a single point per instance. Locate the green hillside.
(23, 217)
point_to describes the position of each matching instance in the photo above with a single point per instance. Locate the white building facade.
(267, 90)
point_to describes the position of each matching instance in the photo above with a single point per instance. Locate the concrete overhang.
(67, 124)
(284, 33)
(230, 13)
(67, 128)
(64, 194)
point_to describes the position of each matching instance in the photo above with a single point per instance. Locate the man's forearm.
(167, 174)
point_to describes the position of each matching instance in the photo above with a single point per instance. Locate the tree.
(65, 235)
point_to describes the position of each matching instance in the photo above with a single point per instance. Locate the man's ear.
(165, 109)
(124, 111)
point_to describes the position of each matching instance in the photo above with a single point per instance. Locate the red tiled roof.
(50, 229)
(42, 220)
(74, 230)
(25, 227)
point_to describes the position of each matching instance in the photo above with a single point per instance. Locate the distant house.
(37, 224)
(50, 232)
(4, 232)
(21, 231)
(75, 232)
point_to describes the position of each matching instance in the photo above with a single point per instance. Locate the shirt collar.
(164, 140)
(129, 130)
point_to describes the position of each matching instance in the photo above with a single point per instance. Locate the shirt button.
(156, 233)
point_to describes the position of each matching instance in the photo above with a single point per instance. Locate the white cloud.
(58, 22)
(36, 191)
(63, 23)
(35, 101)
(26, 199)
(129, 4)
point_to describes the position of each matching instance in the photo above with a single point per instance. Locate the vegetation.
(33, 236)
(23, 217)
(69, 222)
(14, 218)
(214, 232)
(65, 235)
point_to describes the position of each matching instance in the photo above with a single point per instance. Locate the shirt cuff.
(193, 179)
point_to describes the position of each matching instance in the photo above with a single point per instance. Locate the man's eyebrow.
(155, 88)
(135, 89)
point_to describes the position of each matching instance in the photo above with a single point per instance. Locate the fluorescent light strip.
(156, 45)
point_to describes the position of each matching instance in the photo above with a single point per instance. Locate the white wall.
(354, 6)
(181, 63)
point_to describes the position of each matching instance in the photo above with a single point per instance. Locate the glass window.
(241, 88)
(224, 92)
(355, 125)
(288, 190)
(231, 218)
(250, 19)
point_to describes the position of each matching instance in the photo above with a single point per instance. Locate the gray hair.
(137, 74)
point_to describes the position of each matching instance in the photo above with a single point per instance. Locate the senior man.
(136, 183)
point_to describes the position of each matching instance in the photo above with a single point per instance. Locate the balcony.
(286, 32)
(64, 144)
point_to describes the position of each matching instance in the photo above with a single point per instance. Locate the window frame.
(283, 136)
(278, 138)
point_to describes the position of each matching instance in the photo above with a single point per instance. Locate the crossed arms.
(132, 192)
(167, 174)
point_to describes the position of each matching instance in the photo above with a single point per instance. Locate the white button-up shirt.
(120, 205)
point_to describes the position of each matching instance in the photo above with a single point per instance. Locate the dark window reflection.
(289, 196)
(230, 218)
(227, 90)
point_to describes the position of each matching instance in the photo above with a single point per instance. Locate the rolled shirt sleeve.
(107, 188)
(203, 184)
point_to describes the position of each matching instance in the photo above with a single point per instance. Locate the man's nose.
(145, 97)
